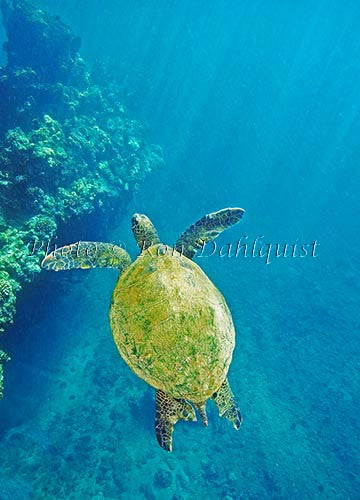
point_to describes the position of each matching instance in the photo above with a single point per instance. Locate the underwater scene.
(192, 171)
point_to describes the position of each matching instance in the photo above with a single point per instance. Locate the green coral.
(41, 227)
(66, 170)
(5, 289)
(67, 145)
(3, 359)
(20, 255)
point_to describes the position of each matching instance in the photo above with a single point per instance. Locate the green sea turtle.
(170, 323)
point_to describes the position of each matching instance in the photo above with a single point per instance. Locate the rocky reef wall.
(67, 145)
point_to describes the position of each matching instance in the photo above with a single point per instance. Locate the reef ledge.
(67, 145)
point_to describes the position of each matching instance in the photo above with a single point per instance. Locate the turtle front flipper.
(168, 411)
(207, 229)
(144, 231)
(86, 255)
(227, 405)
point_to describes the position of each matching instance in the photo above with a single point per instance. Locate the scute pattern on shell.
(171, 325)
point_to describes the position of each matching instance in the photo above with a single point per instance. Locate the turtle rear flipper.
(168, 411)
(226, 404)
(86, 255)
(207, 229)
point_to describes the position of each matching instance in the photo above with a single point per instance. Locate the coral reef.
(67, 145)
(3, 359)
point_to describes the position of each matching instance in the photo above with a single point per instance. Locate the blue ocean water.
(255, 105)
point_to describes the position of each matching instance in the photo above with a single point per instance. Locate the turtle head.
(144, 231)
